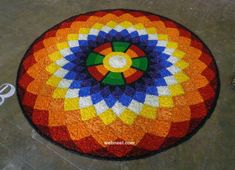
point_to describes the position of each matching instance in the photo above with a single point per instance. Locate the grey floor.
(212, 148)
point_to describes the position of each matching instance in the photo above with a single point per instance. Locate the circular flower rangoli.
(117, 83)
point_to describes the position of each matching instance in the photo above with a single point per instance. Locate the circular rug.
(117, 83)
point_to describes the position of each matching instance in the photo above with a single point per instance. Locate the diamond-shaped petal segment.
(128, 116)
(108, 116)
(88, 113)
(149, 112)
(118, 108)
(101, 107)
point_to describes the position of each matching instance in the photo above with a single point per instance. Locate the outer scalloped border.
(187, 137)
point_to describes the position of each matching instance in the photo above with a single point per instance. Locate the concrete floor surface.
(212, 148)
